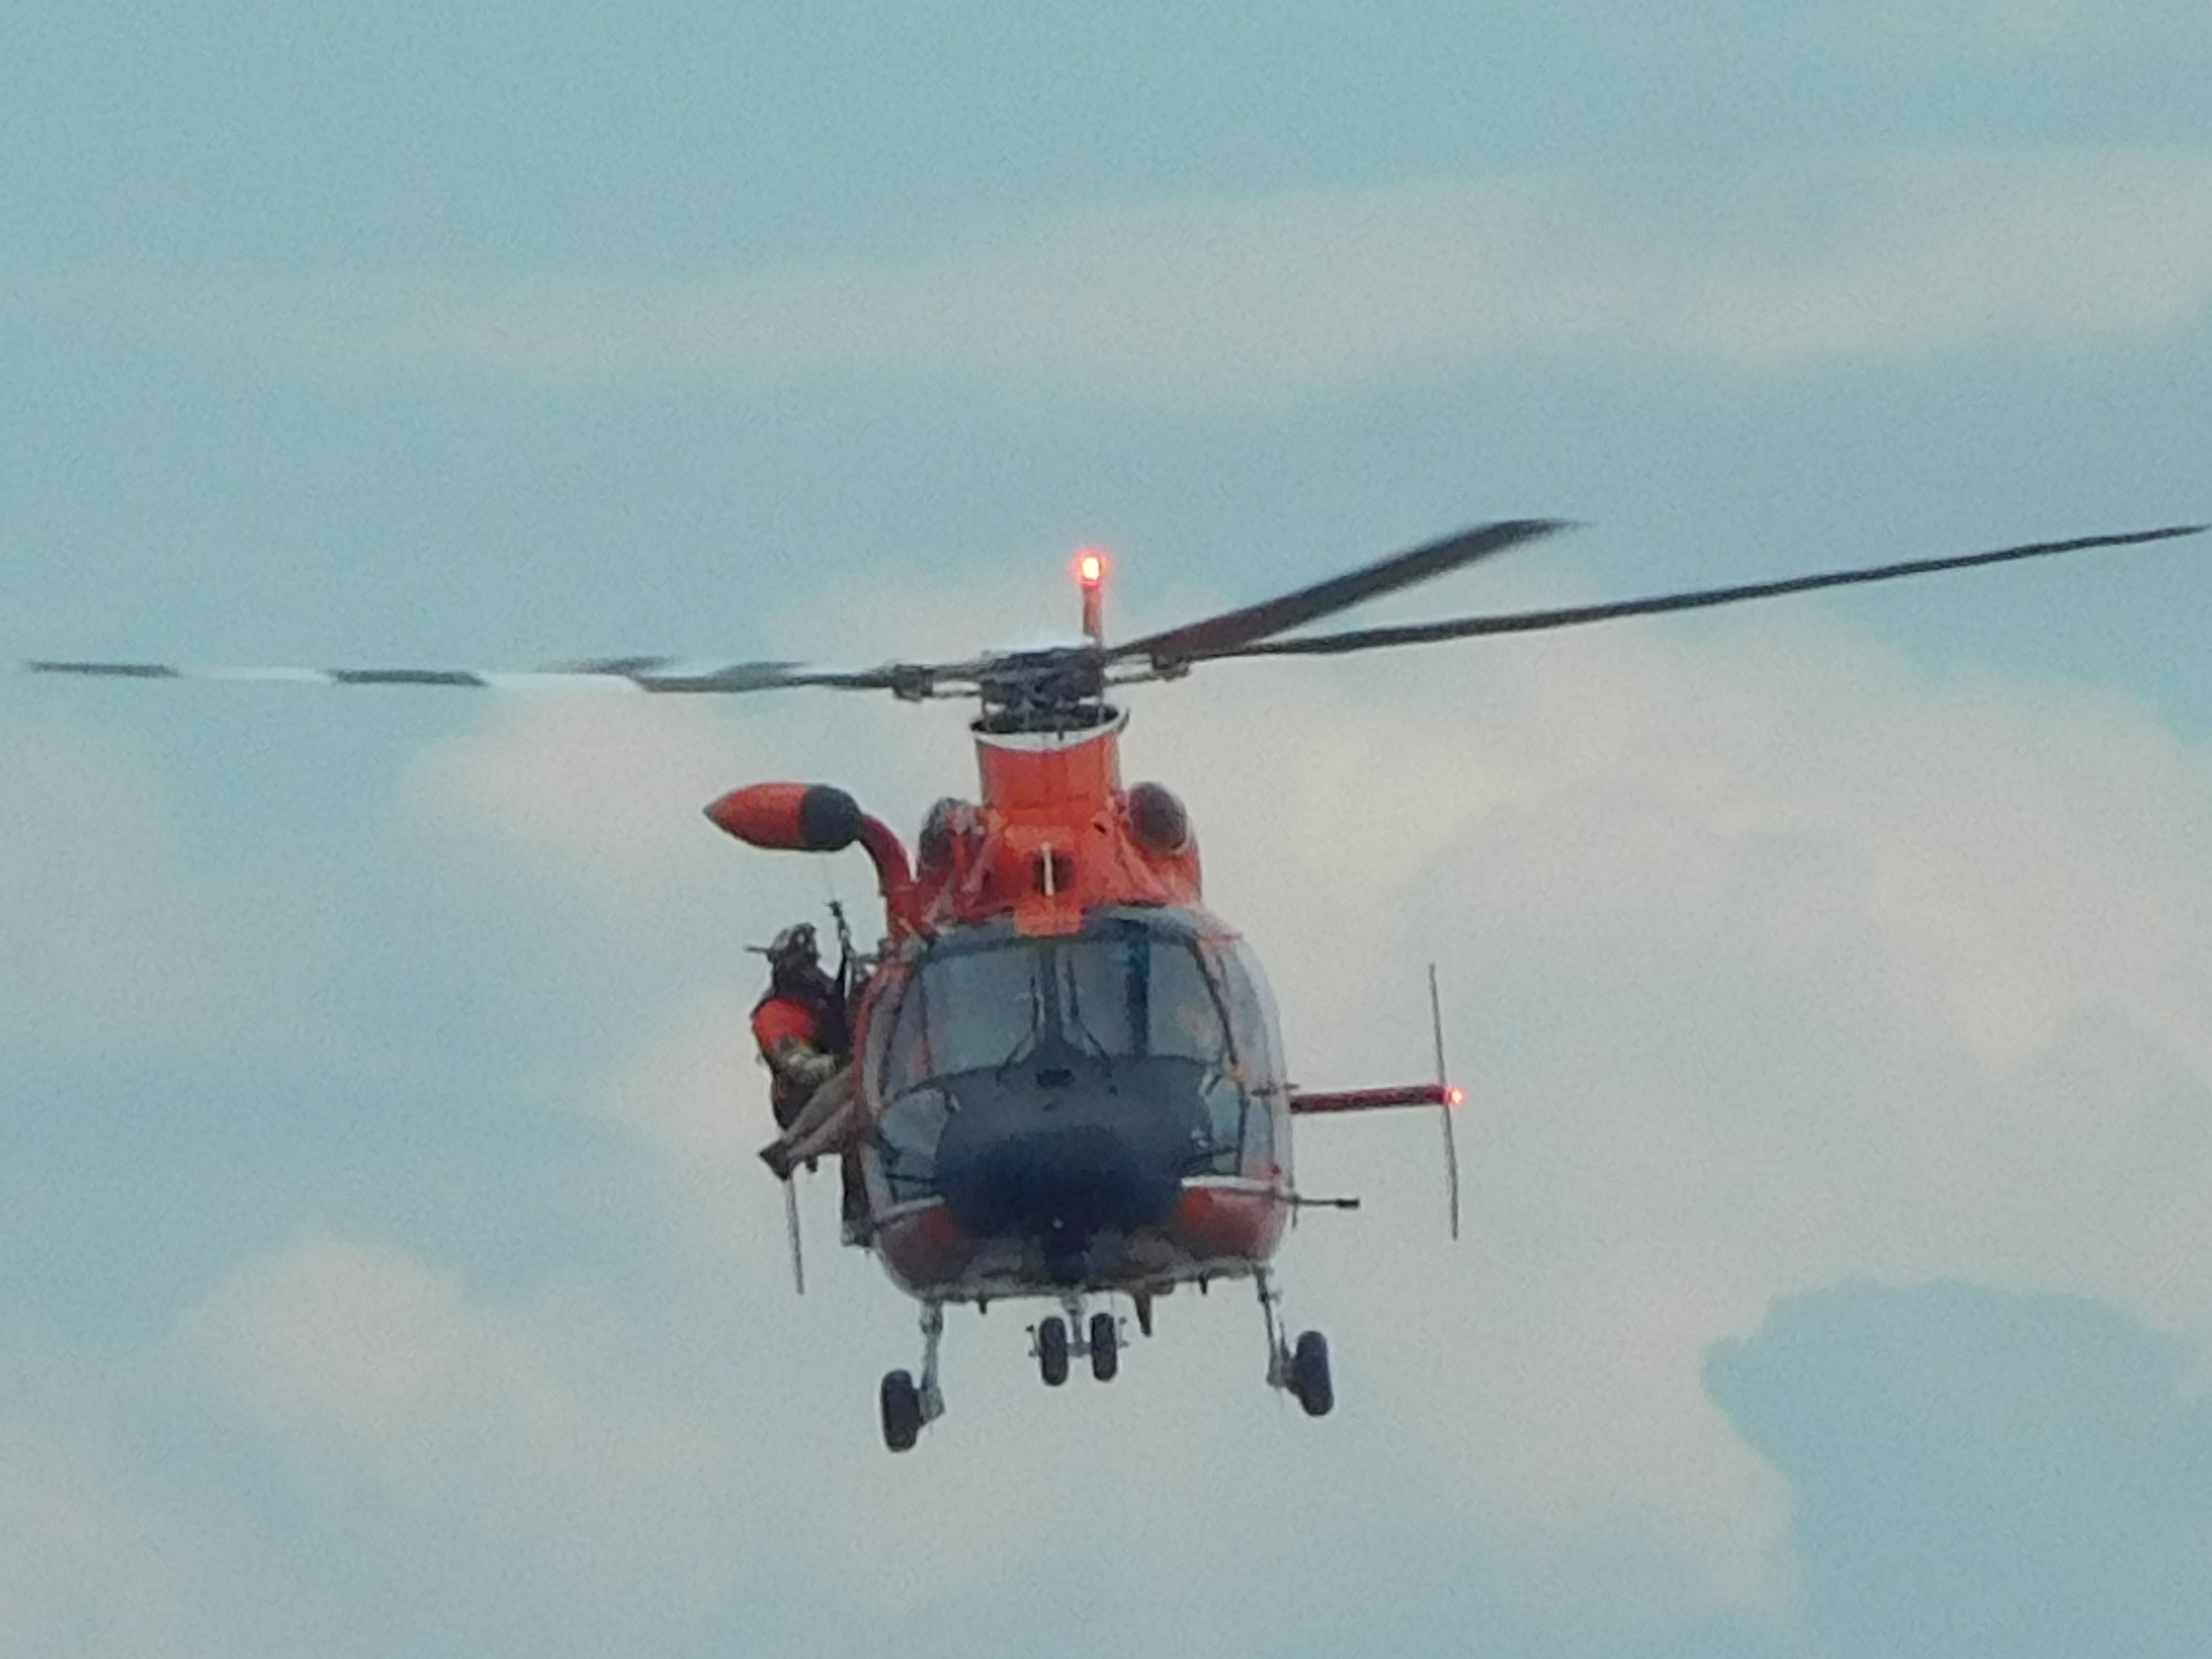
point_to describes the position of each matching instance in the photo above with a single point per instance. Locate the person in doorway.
(800, 1025)
(805, 1041)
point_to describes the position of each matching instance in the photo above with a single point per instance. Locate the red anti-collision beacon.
(1091, 577)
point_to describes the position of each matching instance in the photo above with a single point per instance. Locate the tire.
(901, 1408)
(1052, 1351)
(1310, 1378)
(1105, 1346)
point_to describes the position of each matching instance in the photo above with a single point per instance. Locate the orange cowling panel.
(925, 1248)
(1054, 837)
(1082, 774)
(1218, 1222)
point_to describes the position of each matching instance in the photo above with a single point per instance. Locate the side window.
(1258, 1136)
(878, 1020)
(1185, 1021)
(1252, 1026)
(906, 1060)
(912, 1124)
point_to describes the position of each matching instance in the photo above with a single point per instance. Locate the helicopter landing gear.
(1309, 1379)
(1105, 1346)
(1052, 1348)
(1303, 1372)
(901, 1410)
(909, 1406)
(1061, 1337)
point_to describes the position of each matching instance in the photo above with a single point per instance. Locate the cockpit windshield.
(1149, 1026)
(1119, 989)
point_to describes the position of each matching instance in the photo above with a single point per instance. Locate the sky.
(384, 1267)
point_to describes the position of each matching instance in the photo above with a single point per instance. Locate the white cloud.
(1824, 950)
(503, 1429)
(1772, 959)
(1769, 960)
(1205, 301)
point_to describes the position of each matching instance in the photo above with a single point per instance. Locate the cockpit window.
(1155, 1010)
(1139, 995)
(1121, 989)
(965, 1010)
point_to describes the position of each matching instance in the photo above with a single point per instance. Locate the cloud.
(1770, 959)
(1979, 1474)
(499, 1430)
(1758, 268)
(100, 1555)
(110, 943)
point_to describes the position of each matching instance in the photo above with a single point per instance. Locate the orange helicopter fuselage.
(1070, 1072)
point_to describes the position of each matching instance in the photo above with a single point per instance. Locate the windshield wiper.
(1030, 1041)
(1072, 1011)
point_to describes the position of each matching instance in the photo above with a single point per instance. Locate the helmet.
(794, 947)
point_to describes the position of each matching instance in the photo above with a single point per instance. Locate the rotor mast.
(1048, 743)
(1047, 739)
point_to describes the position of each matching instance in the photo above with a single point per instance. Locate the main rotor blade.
(637, 673)
(1226, 634)
(1531, 622)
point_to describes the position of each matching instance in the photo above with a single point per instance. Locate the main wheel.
(1309, 1379)
(1052, 1351)
(1105, 1346)
(901, 1403)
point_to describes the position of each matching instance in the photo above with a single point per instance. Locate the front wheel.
(1309, 1379)
(1052, 1351)
(1105, 1346)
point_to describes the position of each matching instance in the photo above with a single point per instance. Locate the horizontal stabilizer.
(1368, 1100)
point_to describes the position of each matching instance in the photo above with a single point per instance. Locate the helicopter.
(1070, 1075)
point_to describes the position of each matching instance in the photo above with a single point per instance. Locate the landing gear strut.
(908, 1407)
(1301, 1372)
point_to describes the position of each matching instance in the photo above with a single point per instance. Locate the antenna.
(791, 1229)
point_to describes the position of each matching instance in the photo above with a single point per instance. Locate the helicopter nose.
(1061, 1181)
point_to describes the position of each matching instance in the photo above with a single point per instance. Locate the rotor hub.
(1062, 691)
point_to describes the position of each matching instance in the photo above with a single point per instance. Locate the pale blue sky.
(384, 1267)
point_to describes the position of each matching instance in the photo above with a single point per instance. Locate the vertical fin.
(1443, 1083)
